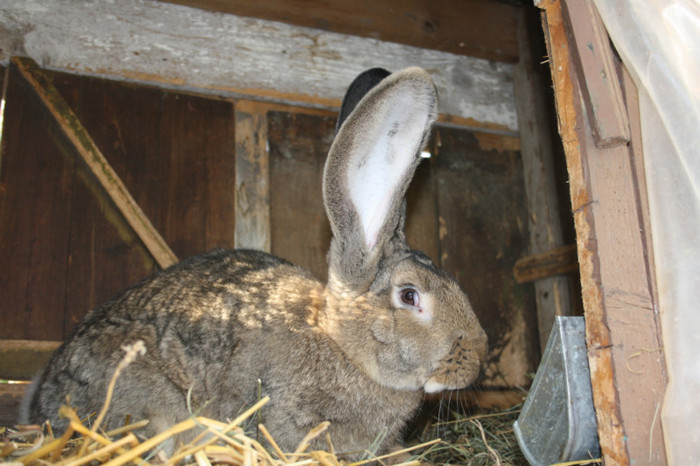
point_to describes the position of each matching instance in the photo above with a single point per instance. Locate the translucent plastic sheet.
(659, 41)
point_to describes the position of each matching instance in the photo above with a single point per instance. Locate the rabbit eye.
(410, 296)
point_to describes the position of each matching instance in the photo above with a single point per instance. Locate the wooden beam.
(594, 61)
(478, 28)
(252, 190)
(552, 293)
(622, 334)
(91, 155)
(172, 46)
(22, 359)
(558, 261)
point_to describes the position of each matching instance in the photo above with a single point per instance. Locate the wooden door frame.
(609, 201)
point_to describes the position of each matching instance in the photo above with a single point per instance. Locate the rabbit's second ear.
(360, 86)
(370, 165)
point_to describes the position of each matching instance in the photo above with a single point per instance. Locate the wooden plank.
(10, 398)
(92, 156)
(544, 224)
(197, 165)
(624, 347)
(300, 230)
(22, 359)
(557, 261)
(252, 186)
(594, 61)
(479, 28)
(172, 46)
(35, 212)
(105, 254)
(483, 231)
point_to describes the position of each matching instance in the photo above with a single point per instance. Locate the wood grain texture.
(558, 261)
(479, 28)
(224, 55)
(483, 231)
(537, 146)
(252, 186)
(300, 229)
(35, 201)
(105, 255)
(197, 167)
(624, 349)
(22, 359)
(95, 160)
(595, 64)
(173, 153)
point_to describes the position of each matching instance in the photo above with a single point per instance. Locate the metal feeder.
(557, 422)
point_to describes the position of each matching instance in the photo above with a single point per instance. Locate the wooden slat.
(105, 254)
(301, 232)
(197, 162)
(544, 224)
(479, 28)
(22, 359)
(622, 335)
(557, 261)
(95, 160)
(35, 212)
(252, 187)
(169, 46)
(593, 57)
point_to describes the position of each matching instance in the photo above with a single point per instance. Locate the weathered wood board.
(622, 332)
(298, 147)
(252, 184)
(68, 248)
(35, 197)
(542, 153)
(204, 51)
(478, 28)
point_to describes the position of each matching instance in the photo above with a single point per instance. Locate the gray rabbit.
(358, 351)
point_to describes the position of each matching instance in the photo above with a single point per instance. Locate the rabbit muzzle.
(461, 366)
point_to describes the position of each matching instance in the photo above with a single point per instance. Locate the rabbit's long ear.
(368, 169)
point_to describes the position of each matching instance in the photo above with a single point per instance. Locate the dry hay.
(482, 439)
(478, 439)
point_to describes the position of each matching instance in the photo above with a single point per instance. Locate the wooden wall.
(64, 248)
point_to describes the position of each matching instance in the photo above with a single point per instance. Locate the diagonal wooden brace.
(95, 160)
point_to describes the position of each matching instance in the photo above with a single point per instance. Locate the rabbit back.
(218, 328)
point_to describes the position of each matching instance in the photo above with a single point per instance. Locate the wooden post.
(91, 155)
(552, 294)
(252, 177)
(622, 334)
(593, 59)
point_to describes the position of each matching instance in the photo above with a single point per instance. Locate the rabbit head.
(406, 323)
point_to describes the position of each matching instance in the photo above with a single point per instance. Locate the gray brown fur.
(350, 352)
